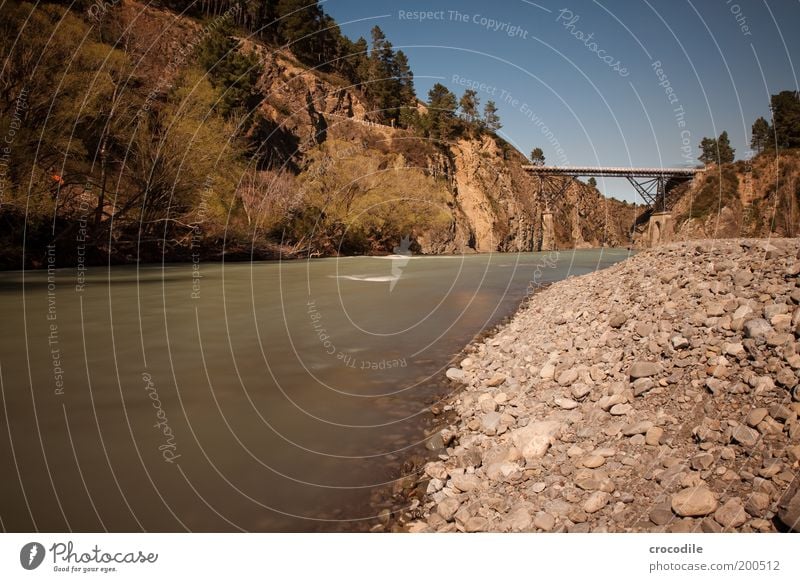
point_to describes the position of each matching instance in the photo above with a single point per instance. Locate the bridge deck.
(612, 172)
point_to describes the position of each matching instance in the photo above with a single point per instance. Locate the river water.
(269, 396)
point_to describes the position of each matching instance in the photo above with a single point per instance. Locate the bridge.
(652, 184)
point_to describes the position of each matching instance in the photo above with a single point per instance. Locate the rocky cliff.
(754, 198)
(493, 205)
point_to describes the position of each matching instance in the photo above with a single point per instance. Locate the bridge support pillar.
(548, 232)
(659, 228)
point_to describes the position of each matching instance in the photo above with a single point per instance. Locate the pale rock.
(534, 440)
(567, 377)
(544, 521)
(694, 502)
(593, 461)
(745, 436)
(653, 436)
(621, 409)
(457, 375)
(757, 328)
(566, 403)
(640, 427)
(644, 369)
(596, 501)
(448, 507)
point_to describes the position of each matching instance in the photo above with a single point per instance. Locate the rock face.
(602, 424)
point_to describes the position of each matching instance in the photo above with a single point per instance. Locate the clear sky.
(581, 79)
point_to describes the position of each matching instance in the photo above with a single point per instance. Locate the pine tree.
(708, 150)
(441, 112)
(299, 25)
(537, 157)
(786, 118)
(383, 87)
(592, 182)
(725, 150)
(762, 135)
(469, 105)
(491, 120)
(405, 88)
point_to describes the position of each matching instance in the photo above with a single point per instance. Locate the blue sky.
(600, 99)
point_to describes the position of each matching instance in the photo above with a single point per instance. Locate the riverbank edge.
(449, 416)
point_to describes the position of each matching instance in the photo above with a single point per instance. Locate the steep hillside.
(175, 137)
(753, 198)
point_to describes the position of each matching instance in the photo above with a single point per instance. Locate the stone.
(731, 514)
(544, 521)
(653, 436)
(566, 403)
(580, 391)
(465, 482)
(476, 524)
(617, 319)
(734, 349)
(755, 416)
(490, 422)
(679, 342)
(642, 385)
(745, 436)
(661, 514)
(757, 503)
(782, 413)
(702, 461)
(742, 277)
(567, 377)
(436, 470)
(621, 409)
(456, 375)
(520, 519)
(534, 440)
(496, 381)
(789, 509)
(757, 328)
(637, 428)
(448, 507)
(547, 372)
(596, 501)
(644, 369)
(593, 461)
(694, 502)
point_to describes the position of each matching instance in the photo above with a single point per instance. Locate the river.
(268, 396)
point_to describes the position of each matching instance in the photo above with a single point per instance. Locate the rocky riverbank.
(660, 394)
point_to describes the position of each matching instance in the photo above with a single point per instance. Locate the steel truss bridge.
(652, 184)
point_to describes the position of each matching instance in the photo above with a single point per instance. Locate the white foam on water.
(367, 278)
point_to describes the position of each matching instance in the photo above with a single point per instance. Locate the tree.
(725, 151)
(441, 112)
(786, 118)
(300, 23)
(404, 79)
(708, 150)
(383, 87)
(491, 119)
(537, 157)
(469, 105)
(761, 135)
(592, 182)
(233, 72)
